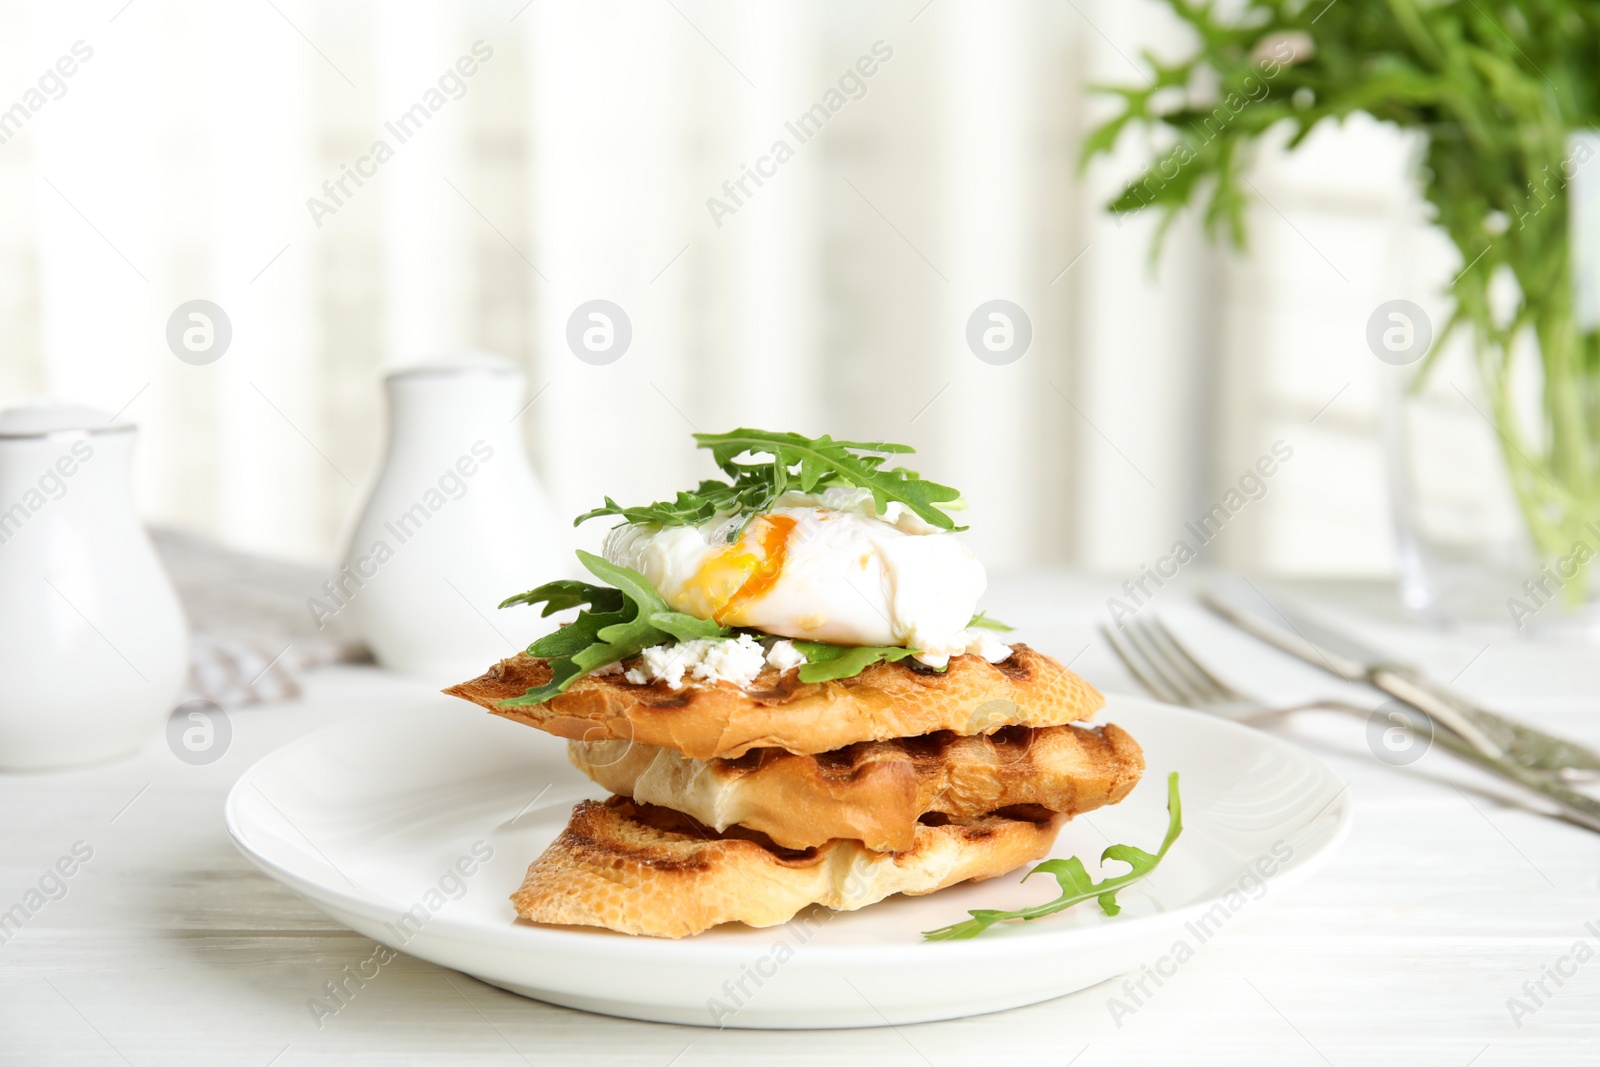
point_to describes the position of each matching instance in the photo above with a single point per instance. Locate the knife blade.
(1494, 736)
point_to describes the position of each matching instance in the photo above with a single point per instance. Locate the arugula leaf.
(824, 461)
(688, 509)
(633, 585)
(1076, 885)
(826, 663)
(625, 621)
(982, 621)
(686, 627)
(794, 462)
(563, 594)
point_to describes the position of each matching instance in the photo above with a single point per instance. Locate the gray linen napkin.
(251, 637)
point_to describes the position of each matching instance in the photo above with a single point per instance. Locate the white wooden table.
(168, 948)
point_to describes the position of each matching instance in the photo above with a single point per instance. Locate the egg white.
(839, 574)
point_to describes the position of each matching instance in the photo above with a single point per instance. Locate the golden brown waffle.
(639, 869)
(777, 710)
(875, 791)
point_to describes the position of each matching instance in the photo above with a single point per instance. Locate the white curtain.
(206, 151)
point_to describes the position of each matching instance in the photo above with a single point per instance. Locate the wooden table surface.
(1423, 942)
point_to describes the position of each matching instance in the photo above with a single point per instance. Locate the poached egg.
(820, 567)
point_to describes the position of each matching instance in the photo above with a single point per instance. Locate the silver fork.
(1171, 674)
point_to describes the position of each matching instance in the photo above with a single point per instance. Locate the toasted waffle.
(777, 710)
(875, 791)
(640, 869)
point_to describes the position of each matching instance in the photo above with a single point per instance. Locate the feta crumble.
(741, 659)
(784, 656)
(706, 660)
(975, 641)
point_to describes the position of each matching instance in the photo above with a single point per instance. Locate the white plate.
(369, 819)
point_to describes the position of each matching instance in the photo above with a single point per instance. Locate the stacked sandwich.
(787, 688)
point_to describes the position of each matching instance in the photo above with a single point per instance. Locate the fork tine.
(1196, 670)
(1181, 663)
(1135, 661)
(1153, 669)
(1189, 691)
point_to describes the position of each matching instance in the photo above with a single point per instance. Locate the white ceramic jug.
(456, 523)
(93, 645)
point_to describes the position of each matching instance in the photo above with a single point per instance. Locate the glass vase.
(1465, 553)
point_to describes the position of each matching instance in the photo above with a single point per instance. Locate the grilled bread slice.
(640, 869)
(875, 791)
(777, 710)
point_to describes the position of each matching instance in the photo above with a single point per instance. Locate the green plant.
(803, 464)
(1074, 881)
(1494, 89)
(617, 623)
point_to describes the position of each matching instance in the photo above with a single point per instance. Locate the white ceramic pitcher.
(93, 645)
(456, 523)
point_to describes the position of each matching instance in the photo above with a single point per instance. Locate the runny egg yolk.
(743, 572)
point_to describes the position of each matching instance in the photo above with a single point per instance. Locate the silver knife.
(1493, 736)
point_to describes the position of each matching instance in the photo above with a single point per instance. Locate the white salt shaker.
(456, 523)
(93, 644)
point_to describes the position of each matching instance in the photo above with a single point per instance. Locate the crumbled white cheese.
(784, 656)
(975, 641)
(609, 668)
(711, 660)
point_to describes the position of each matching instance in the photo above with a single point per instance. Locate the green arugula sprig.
(1076, 885)
(827, 663)
(982, 621)
(621, 622)
(693, 507)
(625, 620)
(794, 462)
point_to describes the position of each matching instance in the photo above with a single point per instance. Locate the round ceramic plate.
(414, 827)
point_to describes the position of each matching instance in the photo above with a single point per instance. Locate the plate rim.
(594, 944)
